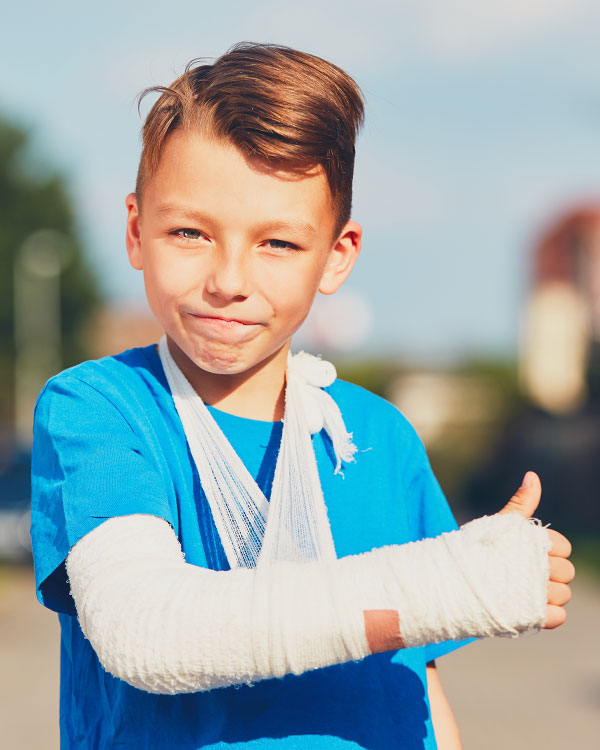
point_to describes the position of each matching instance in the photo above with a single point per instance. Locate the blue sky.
(483, 121)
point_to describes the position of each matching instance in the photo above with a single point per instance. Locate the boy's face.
(233, 253)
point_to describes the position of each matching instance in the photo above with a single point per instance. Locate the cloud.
(466, 30)
(381, 32)
(379, 36)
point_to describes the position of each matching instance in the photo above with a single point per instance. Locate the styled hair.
(273, 103)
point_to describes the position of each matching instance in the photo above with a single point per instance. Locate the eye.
(189, 234)
(281, 245)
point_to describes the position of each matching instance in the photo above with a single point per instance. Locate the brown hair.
(274, 104)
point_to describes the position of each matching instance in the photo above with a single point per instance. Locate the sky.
(483, 124)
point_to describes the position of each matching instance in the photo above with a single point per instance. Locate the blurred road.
(536, 692)
(29, 661)
(541, 691)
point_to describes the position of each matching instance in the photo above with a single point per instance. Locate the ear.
(342, 258)
(132, 232)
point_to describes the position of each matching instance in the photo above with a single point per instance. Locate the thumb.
(527, 498)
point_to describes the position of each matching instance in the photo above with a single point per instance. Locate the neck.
(257, 393)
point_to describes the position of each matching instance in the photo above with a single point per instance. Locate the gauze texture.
(165, 626)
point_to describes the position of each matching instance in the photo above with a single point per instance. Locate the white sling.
(293, 526)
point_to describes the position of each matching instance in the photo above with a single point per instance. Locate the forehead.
(213, 175)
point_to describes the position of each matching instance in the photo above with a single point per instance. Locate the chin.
(223, 361)
(224, 367)
(219, 358)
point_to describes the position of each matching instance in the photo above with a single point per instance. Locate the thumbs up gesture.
(525, 501)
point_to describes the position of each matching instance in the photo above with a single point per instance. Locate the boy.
(241, 214)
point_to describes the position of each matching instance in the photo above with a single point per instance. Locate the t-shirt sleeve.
(89, 463)
(433, 517)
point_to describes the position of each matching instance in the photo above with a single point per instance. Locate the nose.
(227, 277)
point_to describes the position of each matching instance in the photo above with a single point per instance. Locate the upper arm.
(88, 464)
(444, 724)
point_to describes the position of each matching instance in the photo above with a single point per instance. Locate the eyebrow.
(296, 227)
(301, 228)
(166, 209)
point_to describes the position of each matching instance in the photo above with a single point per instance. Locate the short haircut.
(275, 104)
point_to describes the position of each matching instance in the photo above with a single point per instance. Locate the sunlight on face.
(232, 253)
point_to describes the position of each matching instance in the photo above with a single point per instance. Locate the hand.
(525, 501)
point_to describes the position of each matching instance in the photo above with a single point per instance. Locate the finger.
(561, 570)
(558, 593)
(527, 498)
(561, 546)
(555, 616)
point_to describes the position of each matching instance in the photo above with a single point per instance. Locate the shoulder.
(129, 364)
(108, 375)
(124, 385)
(365, 411)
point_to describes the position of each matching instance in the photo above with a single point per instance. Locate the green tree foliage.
(29, 203)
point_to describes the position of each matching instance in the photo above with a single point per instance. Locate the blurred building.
(115, 329)
(556, 432)
(561, 331)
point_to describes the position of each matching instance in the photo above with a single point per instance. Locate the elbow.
(151, 653)
(125, 655)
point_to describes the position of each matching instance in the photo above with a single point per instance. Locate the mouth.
(217, 320)
(224, 330)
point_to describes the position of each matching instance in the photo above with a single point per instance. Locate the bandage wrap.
(165, 626)
(488, 579)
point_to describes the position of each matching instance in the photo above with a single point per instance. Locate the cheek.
(167, 282)
(292, 294)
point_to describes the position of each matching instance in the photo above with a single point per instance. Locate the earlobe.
(342, 258)
(132, 233)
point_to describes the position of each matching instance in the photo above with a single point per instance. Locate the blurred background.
(475, 306)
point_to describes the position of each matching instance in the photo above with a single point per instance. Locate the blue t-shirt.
(108, 442)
